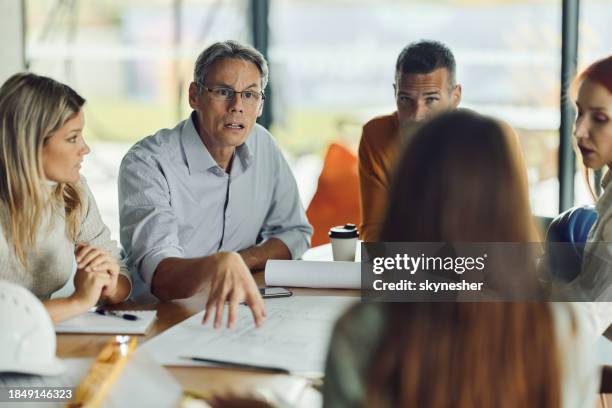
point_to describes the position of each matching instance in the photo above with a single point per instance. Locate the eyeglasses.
(222, 93)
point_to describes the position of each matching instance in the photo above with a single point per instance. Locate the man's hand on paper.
(231, 281)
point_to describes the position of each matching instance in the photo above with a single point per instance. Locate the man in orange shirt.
(425, 84)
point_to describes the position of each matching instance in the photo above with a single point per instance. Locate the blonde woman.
(50, 222)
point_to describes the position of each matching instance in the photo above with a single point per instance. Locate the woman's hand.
(88, 288)
(93, 260)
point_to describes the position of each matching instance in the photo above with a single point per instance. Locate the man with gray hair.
(424, 85)
(203, 203)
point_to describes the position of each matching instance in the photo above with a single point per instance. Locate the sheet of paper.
(295, 336)
(91, 322)
(143, 383)
(604, 351)
(313, 274)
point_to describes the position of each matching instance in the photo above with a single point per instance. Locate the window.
(133, 62)
(595, 32)
(333, 67)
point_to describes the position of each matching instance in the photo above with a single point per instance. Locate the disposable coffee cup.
(344, 240)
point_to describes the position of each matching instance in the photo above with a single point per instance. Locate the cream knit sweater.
(51, 260)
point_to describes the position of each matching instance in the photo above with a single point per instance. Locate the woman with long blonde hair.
(50, 222)
(461, 179)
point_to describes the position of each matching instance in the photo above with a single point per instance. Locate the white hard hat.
(27, 338)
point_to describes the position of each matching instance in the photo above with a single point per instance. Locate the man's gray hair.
(229, 49)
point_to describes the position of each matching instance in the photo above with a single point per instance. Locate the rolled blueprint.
(313, 274)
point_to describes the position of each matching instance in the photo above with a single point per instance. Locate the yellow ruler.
(102, 374)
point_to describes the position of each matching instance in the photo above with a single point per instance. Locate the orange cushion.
(336, 201)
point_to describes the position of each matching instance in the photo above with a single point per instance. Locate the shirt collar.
(198, 157)
(244, 152)
(606, 179)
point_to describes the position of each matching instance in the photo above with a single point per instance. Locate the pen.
(121, 315)
(230, 364)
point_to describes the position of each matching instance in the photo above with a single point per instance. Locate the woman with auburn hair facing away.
(50, 222)
(461, 179)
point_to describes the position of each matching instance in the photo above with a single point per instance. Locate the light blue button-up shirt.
(176, 201)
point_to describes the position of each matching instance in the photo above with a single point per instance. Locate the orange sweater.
(378, 150)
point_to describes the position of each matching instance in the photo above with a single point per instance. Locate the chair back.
(571, 227)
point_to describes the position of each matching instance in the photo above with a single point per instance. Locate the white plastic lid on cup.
(343, 241)
(344, 231)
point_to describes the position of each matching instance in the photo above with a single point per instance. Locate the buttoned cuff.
(125, 272)
(150, 263)
(296, 241)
